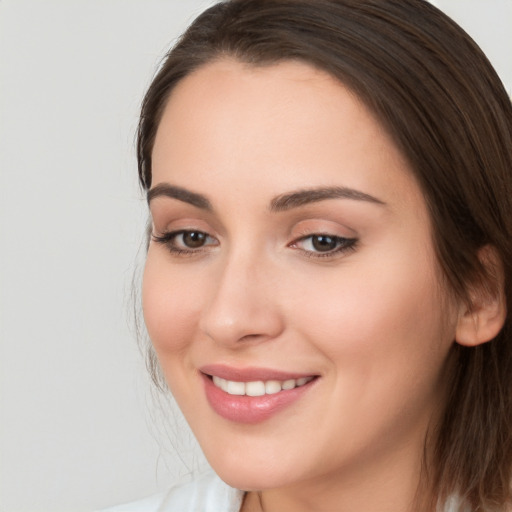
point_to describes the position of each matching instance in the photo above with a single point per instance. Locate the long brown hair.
(439, 98)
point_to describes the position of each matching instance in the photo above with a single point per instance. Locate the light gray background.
(79, 429)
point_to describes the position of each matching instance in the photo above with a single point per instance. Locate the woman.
(330, 260)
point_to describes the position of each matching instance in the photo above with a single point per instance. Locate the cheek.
(170, 306)
(386, 338)
(378, 317)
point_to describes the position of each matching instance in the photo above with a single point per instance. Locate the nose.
(242, 306)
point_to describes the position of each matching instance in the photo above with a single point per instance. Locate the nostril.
(249, 337)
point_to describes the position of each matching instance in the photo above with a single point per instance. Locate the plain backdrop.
(79, 429)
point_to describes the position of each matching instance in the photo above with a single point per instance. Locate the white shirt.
(206, 493)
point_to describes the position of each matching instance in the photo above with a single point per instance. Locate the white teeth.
(235, 388)
(288, 384)
(258, 388)
(272, 387)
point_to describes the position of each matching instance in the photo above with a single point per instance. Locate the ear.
(482, 319)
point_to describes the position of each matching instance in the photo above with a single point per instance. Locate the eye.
(185, 241)
(318, 244)
(192, 239)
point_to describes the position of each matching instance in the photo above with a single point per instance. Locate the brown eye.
(324, 243)
(194, 239)
(185, 241)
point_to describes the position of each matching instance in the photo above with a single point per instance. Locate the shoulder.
(206, 493)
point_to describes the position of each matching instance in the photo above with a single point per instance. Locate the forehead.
(288, 123)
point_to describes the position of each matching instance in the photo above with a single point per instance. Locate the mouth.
(253, 395)
(258, 387)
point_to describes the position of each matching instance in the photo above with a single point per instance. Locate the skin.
(371, 321)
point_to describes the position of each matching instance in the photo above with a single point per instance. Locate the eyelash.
(168, 239)
(343, 245)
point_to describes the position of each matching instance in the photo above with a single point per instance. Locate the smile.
(259, 387)
(253, 395)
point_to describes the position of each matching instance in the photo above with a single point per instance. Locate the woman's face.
(292, 250)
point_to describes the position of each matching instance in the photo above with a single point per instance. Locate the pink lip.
(249, 374)
(250, 409)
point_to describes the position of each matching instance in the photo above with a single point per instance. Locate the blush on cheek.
(378, 313)
(169, 316)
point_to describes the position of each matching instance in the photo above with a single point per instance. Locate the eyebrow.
(280, 203)
(302, 197)
(181, 194)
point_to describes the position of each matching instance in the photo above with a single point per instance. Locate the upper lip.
(249, 374)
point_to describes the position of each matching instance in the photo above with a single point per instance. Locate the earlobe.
(482, 319)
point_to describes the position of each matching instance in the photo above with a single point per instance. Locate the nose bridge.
(241, 306)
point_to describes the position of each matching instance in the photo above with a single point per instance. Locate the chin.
(249, 481)
(250, 476)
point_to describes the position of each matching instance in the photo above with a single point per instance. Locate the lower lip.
(251, 409)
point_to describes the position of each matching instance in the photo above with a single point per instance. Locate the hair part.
(439, 98)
